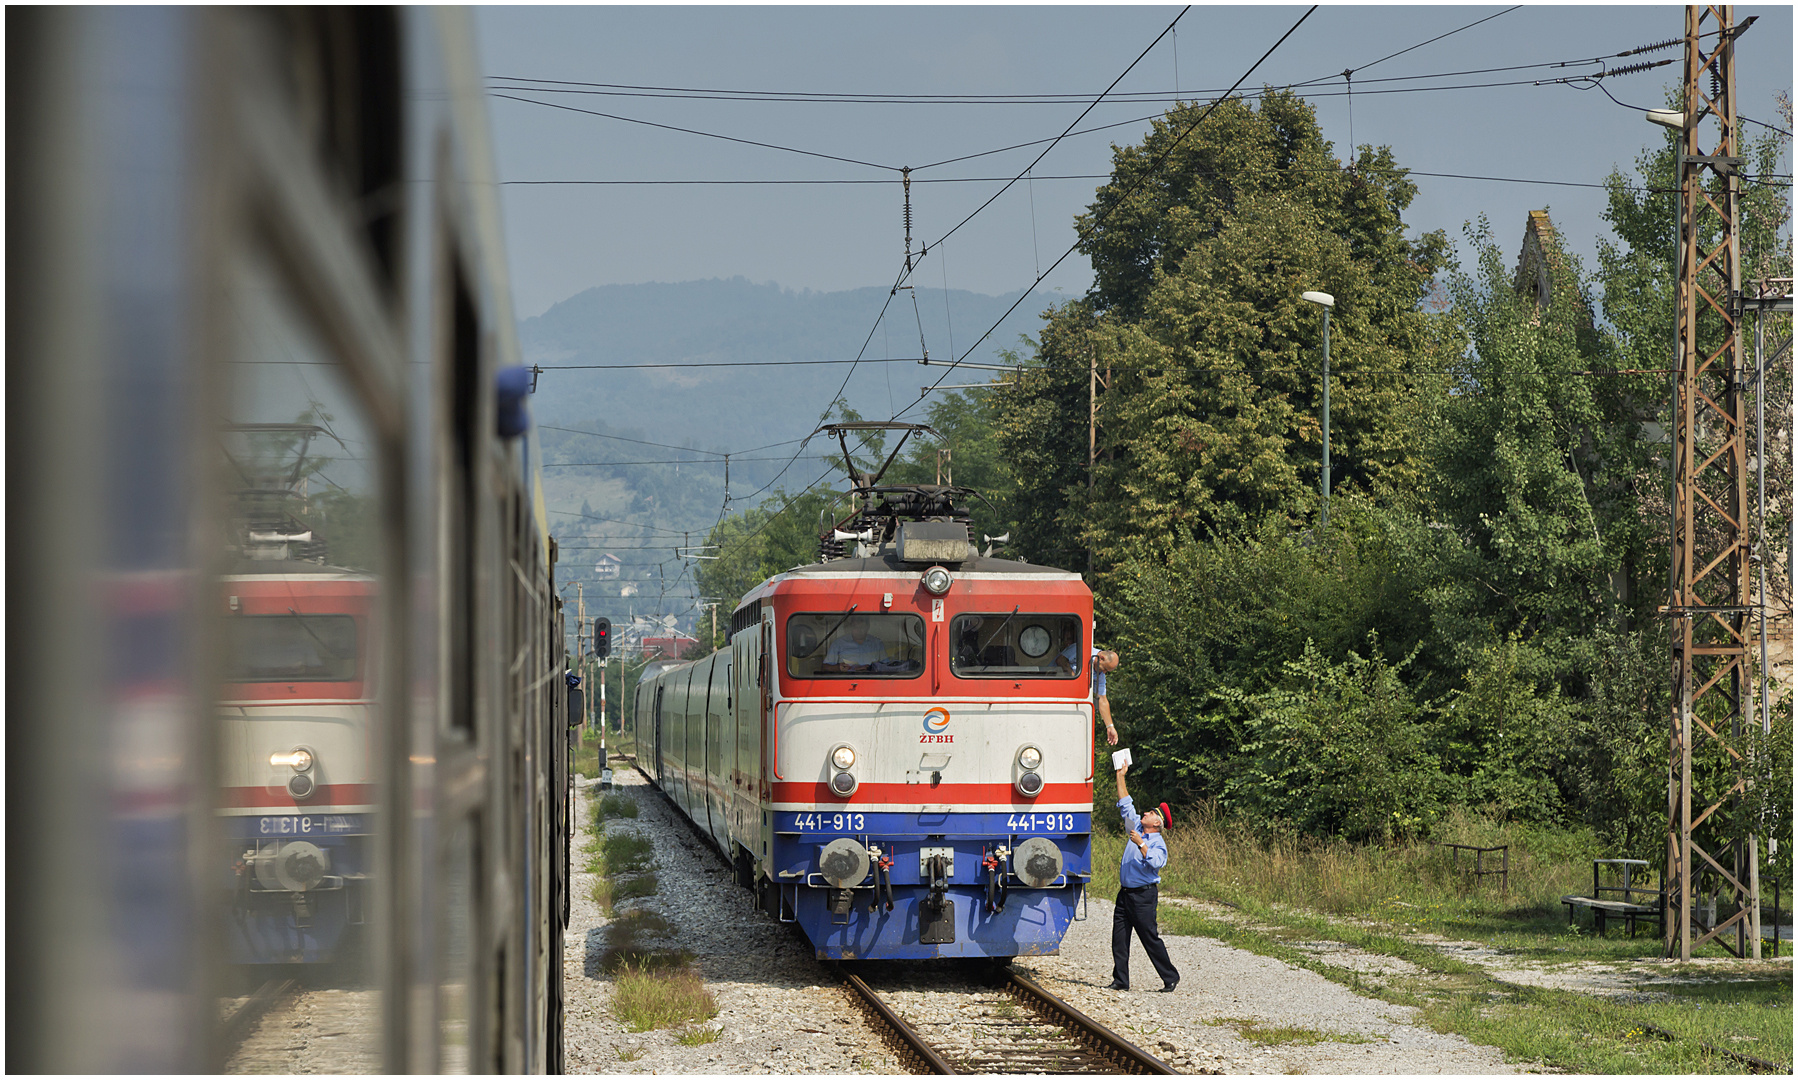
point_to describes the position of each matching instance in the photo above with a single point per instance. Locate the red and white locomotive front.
(297, 782)
(929, 775)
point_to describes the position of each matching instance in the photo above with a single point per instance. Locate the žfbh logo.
(936, 720)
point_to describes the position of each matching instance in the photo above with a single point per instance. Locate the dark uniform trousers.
(1136, 911)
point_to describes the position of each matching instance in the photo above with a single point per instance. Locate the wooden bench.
(1627, 908)
(1480, 871)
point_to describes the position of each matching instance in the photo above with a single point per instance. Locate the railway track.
(1006, 1023)
(236, 1027)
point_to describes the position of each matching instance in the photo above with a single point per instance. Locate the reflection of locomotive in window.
(895, 751)
(296, 775)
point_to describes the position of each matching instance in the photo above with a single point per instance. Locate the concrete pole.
(1326, 418)
(1325, 301)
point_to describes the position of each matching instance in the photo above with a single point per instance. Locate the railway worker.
(855, 651)
(1104, 662)
(1139, 878)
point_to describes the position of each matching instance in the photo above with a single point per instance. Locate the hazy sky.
(566, 238)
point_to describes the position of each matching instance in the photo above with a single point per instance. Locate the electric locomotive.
(296, 773)
(896, 750)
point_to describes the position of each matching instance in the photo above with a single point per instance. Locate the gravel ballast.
(783, 1012)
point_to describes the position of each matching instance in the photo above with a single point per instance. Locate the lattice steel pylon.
(1709, 599)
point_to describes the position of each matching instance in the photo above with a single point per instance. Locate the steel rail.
(236, 1027)
(1110, 1041)
(907, 1035)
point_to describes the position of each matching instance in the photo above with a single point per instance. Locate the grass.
(699, 1036)
(613, 805)
(1262, 1035)
(626, 853)
(633, 888)
(1382, 900)
(584, 759)
(646, 999)
(652, 986)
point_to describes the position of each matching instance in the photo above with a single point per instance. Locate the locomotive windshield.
(1013, 644)
(291, 648)
(826, 644)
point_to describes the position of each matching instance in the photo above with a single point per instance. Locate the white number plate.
(1040, 822)
(830, 822)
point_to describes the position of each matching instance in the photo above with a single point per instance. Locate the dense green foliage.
(1201, 244)
(1475, 625)
(1474, 629)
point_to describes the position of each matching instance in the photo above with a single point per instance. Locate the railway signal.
(602, 638)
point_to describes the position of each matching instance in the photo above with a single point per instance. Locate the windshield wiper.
(330, 650)
(826, 638)
(998, 637)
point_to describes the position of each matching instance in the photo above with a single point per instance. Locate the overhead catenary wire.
(909, 267)
(1098, 217)
(790, 502)
(1412, 172)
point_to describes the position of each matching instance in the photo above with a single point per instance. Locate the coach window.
(844, 644)
(1013, 644)
(303, 528)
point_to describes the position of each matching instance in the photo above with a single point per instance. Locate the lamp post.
(1325, 301)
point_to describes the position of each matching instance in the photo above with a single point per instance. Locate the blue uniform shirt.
(1072, 655)
(1136, 870)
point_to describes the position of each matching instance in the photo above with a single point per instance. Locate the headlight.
(937, 580)
(299, 759)
(843, 784)
(1030, 757)
(1030, 785)
(843, 757)
(301, 786)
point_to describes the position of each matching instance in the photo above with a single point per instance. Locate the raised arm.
(1123, 793)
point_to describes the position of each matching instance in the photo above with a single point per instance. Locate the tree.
(1210, 418)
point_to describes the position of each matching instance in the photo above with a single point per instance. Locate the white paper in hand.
(1120, 758)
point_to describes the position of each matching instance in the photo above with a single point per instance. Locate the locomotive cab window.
(298, 647)
(1013, 644)
(832, 644)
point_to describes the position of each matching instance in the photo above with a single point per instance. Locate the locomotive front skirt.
(897, 757)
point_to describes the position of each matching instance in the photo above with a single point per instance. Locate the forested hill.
(739, 322)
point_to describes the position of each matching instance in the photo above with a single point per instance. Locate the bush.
(1341, 752)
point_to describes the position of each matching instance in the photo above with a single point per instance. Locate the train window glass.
(456, 928)
(461, 502)
(301, 646)
(832, 644)
(301, 740)
(1005, 644)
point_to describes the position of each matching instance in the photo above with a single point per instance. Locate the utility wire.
(1052, 143)
(694, 131)
(956, 180)
(723, 363)
(1437, 38)
(1150, 171)
(894, 291)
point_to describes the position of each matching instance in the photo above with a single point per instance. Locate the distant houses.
(609, 567)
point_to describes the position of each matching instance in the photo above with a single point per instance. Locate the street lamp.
(1325, 301)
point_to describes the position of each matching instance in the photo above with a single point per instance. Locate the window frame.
(1017, 671)
(922, 646)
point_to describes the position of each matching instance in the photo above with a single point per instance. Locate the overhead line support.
(1711, 595)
